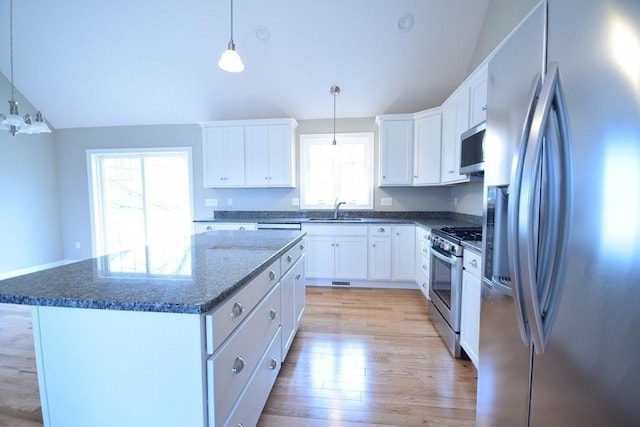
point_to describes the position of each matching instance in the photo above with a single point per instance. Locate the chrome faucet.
(335, 210)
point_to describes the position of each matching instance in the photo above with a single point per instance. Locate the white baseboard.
(33, 269)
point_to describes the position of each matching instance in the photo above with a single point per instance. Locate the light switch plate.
(229, 202)
(386, 201)
(295, 201)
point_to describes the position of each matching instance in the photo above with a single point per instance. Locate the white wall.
(501, 18)
(29, 217)
(467, 198)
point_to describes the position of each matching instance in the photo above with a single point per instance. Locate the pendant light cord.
(231, 21)
(11, 43)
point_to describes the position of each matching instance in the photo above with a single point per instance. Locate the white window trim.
(327, 138)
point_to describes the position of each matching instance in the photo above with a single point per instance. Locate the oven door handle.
(447, 259)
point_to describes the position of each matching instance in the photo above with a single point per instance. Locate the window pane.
(343, 171)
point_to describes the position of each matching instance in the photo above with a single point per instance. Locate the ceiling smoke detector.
(405, 23)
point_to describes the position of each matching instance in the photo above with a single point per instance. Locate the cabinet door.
(396, 152)
(379, 255)
(350, 257)
(319, 257)
(257, 155)
(470, 316)
(223, 156)
(288, 315)
(426, 155)
(455, 121)
(300, 290)
(403, 252)
(280, 156)
(478, 97)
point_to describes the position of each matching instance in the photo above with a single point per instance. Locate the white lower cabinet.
(422, 271)
(293, 301)
(374, 253)
(336, 252)
(470, 306)
(403, 246)
(202, 227)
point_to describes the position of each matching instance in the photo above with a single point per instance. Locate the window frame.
(307, 140)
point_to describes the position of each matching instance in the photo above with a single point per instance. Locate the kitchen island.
(190, 333)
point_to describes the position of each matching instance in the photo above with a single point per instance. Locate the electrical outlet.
(229, 202)
(295, 201)
(77, 245)
(455, 202)
(386, 201)
(211, 203)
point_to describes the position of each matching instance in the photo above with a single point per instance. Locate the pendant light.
(230, 60)
(335, 91)
(13, 122)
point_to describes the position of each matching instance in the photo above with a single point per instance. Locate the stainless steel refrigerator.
(560, 316)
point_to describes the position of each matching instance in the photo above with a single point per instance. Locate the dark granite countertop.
(474, 246)
(426, 219)
(192, 276)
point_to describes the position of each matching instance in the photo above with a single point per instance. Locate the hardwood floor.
(361, 357)
(370, 357)
(19, 399)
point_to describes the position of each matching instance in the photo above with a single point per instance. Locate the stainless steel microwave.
(472, 150)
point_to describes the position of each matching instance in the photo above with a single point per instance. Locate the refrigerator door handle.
(512, 216)
(545, 209)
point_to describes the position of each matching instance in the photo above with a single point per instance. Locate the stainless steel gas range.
(445, 287)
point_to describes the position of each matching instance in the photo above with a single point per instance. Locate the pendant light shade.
(230, 60)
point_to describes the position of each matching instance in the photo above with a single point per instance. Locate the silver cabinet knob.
(209, 227)
(272, 275)
(301, 247)
(474, 263)
(373, 245)
(381, 230)
(237, 310)
(272, 314)
(238, 365)
(273, 364)
(289, 258)
(297, 277)
(484, 108)
(241, 228)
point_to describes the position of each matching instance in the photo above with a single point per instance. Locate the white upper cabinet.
(426, 148)
(478, 96)
(249, 153)
(455, 121)
(269, 155)
(396, 149)
(223, 154)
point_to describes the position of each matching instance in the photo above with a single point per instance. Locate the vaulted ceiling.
(129, 62)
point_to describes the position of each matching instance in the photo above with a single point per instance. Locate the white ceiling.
(129, 62)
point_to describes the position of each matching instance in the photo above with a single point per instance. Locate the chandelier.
(14, 123)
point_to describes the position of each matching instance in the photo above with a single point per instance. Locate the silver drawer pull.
(289, 258)
(273, 364)
(381, 229)
(297, 277)
(272, 275)
(301, 247)
(238, 365)
(272, 314)
(236, 310)
(474, 263)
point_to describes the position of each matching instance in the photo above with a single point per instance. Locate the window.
(139, 198)
(342, 172)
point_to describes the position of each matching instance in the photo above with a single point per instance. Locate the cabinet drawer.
(230, 369)
(472, 263)
(379, 230)
(335, 230)
(250, 404)
(291, 256)
(223, 320)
